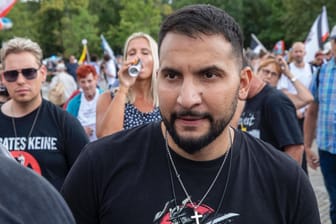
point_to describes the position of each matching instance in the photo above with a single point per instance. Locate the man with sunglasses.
(36, 132)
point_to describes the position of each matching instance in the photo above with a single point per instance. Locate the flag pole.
(85, 53)
(317, 35)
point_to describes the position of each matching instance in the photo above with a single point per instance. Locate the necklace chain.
(32, 127)
(180, 179)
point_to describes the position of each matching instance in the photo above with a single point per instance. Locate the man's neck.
(20, 109)
(255, 87)
(214, 150)
(300, 64)
(90, 97)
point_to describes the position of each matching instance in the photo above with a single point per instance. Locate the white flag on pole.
(255, 45)
(6, 6)
(317, 36)
(106, 47)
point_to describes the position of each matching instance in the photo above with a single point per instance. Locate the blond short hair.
(18, 45)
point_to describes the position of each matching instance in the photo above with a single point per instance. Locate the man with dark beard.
(192, 167)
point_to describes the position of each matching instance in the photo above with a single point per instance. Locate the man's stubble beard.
(193, 145)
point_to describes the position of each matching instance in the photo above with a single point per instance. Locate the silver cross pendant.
(196, 216)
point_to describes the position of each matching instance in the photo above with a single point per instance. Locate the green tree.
(49, 38)
(299, 19)
(272, 20)
(136, 16)
(81, 25)
(60, 25)
(107, 12)
(261, 17)
(68, 23)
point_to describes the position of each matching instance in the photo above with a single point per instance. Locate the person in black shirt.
(192, 167)
(71, 66)
(38, 134)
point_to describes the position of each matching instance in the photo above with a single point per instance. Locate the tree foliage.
(135, 16)
(300, 16)
(60, 25)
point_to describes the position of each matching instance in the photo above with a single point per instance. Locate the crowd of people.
(267, 117)
(221, 136)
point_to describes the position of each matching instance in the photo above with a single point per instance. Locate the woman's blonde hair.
(269, 61)
(154, 51)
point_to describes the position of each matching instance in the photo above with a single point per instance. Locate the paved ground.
(321, 194)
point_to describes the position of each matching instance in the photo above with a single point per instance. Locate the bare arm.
(303, 95)
(295, 151)
(110, 113)
(309, 128)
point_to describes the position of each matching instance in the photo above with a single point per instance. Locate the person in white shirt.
(302, 71)
(83, 105)
(110, 72)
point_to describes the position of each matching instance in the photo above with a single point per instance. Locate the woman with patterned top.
(135, 102)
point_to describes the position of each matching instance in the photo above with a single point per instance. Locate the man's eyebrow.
(170, 70)
(200, 71)
(210, 68)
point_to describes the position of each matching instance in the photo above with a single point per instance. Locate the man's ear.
(245, 80)
(44, 72)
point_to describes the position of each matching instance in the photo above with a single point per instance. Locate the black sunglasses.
(12, 75)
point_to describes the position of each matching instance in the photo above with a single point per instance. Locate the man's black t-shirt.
(55, 142)
(126, 178)
(271, 116)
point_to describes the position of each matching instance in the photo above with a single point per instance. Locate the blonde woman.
(135, 102)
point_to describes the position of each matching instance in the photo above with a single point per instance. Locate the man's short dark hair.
(199, 19)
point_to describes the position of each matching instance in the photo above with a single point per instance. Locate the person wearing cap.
(318, 60)
(321, 116)
(327, 51)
